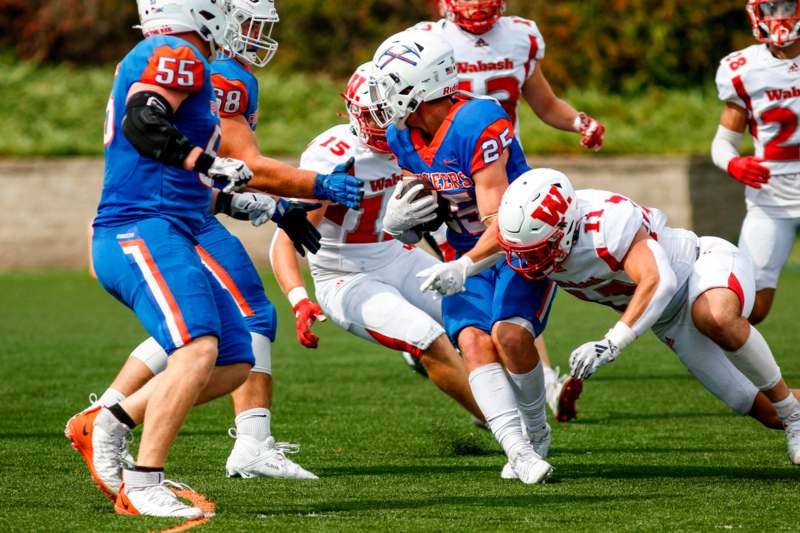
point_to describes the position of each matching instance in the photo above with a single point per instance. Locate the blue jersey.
(474, 135)
(137, 187)
(236, 89)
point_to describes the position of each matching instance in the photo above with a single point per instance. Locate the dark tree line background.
(614, 45)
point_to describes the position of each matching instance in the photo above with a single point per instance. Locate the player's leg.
(467, 318)
(723, 282)
(768, 241)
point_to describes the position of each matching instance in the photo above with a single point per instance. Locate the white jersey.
(609, 222)
(496, 63)
(353, 240)
(769, 89)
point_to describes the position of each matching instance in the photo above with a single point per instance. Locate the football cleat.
(528, 467)
(415, 364)
(540, 441)
(103, 450)
(792, 427)
(561, 397)
(251, 458)
(155, 500)
(127, 460)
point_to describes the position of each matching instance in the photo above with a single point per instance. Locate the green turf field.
(652, 450)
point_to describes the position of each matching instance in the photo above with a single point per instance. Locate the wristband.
(621, 335)
(203, 163)
(466, 263)
(578, 122)
(297, 295)
(224, 203)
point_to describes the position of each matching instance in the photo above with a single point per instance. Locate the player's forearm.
(275, 177)
(725, 146)
(557, 113)
(285, 264)
(487, 246)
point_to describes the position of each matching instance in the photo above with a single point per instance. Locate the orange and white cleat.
(155, 500)
(562, 395)
(102, 441)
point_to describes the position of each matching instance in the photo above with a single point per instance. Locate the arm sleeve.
(725, 147)
(667, 286)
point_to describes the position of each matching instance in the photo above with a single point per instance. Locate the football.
(443, 211)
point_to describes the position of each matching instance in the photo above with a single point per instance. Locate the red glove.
(749, 171)
(591, 131)
(306, 313)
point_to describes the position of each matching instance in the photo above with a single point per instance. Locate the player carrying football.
(500, 56)
(363, 278)
(695, 293)
(760, 86)
(467, 150)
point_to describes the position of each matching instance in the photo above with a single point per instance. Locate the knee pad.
(152, 355)
(262, 350)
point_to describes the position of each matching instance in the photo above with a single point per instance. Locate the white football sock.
(134, 479)
(109, 423)
(787, 406)
(495, 397)
(254, 423)
(530, 393)
(110, 397)
(754, 359)
(152, 355)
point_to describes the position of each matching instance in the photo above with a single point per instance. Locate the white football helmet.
(359, 105)
(248, 32)
(205, 17)
(538, 222)
(410, 67)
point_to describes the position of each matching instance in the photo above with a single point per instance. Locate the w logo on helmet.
(552, 207)
(401, 52)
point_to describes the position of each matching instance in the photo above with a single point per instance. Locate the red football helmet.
(358, 102)
(475, 16)
(775, 21)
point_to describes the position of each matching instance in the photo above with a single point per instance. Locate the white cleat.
(251, 458)
(127, 459)
(156, 500)
(528, 467)
(540, 441)
(792, 427)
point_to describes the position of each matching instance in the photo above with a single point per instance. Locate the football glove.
(256, 207)
(587, 358)
(339, 186)
(591, 131)
(292, 217)
(749, 171)
(407, 211)
(445, 279)
(232, 172)
(306, 313)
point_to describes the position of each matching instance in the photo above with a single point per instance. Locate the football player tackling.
(500, 56)
(468, 152)
(364, 279)
(695, 293)
(759, 86)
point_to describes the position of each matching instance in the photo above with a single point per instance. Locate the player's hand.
(587, 358)
(445, 279)
(339, 186)
(306, 313)
(233, 172)
(407, 211)
(591, 130)
(749, 171)
(256, 207)
(292, 217)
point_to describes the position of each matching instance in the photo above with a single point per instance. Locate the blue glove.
(292, 217)
(339, 186)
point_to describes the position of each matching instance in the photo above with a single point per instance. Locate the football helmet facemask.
(474, 16)
(775, 21)
(248, 32)
(359, 105)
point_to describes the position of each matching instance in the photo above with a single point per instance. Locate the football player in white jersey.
(500, 56)
(364, 280)
(695, 293)
(760, 86)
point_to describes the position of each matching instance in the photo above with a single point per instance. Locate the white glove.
(445, 279)
(587, 358)
(403, 213)
(232, 171)
(256, 207)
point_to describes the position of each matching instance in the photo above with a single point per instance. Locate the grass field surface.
(63, 110)
(651, 450)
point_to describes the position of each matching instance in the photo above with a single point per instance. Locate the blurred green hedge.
(615, 45)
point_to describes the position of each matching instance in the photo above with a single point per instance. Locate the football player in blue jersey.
(467, 151)
(255, 452)
(162, 131)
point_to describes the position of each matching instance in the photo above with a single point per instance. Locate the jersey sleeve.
(327, 151)
(488, 133)
(233, 95)
(175, 67)
(726, 89)
(619, 221)
(531, 42)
